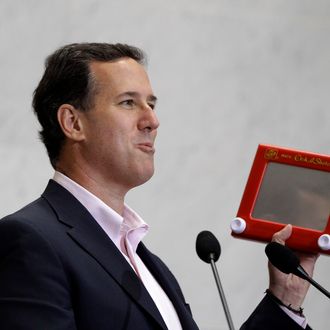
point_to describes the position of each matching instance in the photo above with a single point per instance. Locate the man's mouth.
(147, 147)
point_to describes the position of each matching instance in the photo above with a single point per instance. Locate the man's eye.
(152, 105)
(127, 103)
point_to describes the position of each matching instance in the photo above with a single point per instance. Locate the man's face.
(121, 128)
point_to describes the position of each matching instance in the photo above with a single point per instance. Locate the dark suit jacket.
(269, 316)
(59, 270)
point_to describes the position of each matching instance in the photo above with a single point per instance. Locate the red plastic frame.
(303, 239)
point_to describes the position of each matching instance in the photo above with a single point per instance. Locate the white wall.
(229, 75)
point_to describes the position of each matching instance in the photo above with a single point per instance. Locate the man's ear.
(70, 121)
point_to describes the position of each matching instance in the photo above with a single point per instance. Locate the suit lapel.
(86, 232)
(168, 285)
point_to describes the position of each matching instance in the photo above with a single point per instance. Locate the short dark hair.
(68, 79)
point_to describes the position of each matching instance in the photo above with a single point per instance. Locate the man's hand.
(289, 288)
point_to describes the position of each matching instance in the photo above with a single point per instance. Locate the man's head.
(68, 79)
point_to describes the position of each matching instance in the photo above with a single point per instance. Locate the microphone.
(207, 246)
(208, 249)
(281, 257)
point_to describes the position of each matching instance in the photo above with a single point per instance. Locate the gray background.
(229, 75)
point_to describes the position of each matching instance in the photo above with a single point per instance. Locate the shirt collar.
(115, 225)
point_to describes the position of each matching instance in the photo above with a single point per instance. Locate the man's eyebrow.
(151, 97)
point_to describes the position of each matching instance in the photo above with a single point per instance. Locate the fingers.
(282, 235)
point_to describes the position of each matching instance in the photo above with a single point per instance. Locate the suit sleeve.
(34, 291)
(268, 315)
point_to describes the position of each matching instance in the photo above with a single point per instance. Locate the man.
(73, 259)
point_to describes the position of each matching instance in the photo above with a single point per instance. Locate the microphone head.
(282, 258)
(207, 246)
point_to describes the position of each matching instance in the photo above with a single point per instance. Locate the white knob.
(238, 225)
(324, 242)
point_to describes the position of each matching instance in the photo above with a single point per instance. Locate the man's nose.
(148, 120)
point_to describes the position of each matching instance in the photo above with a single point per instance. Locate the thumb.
(282, 235)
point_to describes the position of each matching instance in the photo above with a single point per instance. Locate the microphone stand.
(221, 293)
(303, 274)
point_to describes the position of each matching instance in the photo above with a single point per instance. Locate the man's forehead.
(121, 66)
(122, 75)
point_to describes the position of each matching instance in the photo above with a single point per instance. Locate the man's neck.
(110, 193)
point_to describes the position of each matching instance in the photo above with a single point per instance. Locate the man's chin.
(144, 177)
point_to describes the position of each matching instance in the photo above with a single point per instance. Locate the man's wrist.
(289, 296)
(296, 310)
